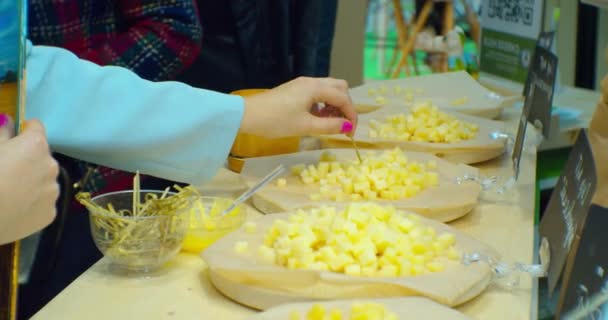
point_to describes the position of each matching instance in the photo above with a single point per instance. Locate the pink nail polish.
(3, 119)
(347, 127)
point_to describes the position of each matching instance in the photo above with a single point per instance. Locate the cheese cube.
(281, 182)
(250, 227)
(241, 246)
(353, 270)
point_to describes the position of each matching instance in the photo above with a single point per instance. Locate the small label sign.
(545, 40)
(568, 206)
(518, 146)
(586, 273)
(542, 78)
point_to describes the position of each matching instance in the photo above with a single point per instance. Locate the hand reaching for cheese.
(286, 110)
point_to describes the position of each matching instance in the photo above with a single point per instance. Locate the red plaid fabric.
(156, 39)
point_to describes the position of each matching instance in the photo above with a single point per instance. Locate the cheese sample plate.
(483, 147)
(446, 202)
(454, 91)
(249, 280)
(410, 308)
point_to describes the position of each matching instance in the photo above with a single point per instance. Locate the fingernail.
(347, 127)
(3, 119)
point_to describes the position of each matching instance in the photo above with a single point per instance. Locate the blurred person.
(262, 43)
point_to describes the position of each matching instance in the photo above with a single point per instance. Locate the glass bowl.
(140, 244)
(206, 225)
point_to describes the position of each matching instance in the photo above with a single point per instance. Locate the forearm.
(109, 116)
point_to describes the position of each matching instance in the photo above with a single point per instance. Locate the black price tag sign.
(545, 40)
(518, 146)
(542, 75)
(568, 206)
(586, 274)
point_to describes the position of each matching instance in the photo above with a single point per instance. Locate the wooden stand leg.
(9, 280)
(448, 25)
(407, 48)
(402, 31)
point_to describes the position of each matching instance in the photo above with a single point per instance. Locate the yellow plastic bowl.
(207, 226)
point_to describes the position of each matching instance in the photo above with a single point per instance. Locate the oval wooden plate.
(454, 91)
(446, 202)
(411, 308)
(482, 148)
(247, 279)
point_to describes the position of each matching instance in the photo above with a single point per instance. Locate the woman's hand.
(28, 181)
(286, 110)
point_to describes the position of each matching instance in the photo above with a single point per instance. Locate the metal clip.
(505, 271)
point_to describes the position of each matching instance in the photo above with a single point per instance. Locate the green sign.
(506, 55)
(508, 37)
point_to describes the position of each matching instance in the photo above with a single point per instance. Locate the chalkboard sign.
(566, 211)
(588, 277)
(545, 40)
(542, 78)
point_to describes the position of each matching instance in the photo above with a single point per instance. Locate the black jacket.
(260, 44)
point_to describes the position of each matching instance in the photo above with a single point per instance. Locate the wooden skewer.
(448, 25)
(9, 266)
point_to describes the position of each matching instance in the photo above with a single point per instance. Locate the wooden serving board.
(247, 279)
(411, 308)
(445, 202)
(482, 148)
(455, 91)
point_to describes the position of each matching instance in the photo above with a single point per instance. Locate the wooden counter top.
(506, 222)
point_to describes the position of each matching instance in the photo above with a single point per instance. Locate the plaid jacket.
(156, 39)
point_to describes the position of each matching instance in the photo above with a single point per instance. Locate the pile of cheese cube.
(387, 175)
(359, 311)
(363, 239)
(425, 123)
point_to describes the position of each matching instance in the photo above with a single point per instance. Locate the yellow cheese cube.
(294, 315)
(446, 239)
(317, 312)
(353, 270)
(388, 271)
(315, 197)
(453, 254)
(334, 314)
(241, 246)
(380, 100)
(281, 182)
(250, 227)
(267, 254)
(435, 267)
